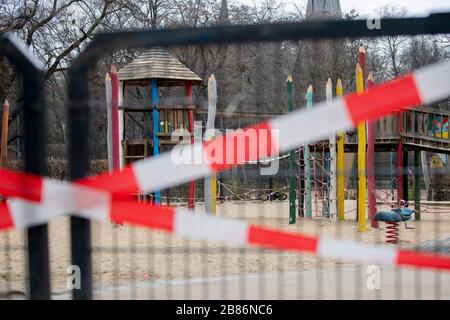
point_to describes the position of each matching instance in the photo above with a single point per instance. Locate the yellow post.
(340, 164)
(362, 186)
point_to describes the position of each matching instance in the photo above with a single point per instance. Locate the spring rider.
(392, 218)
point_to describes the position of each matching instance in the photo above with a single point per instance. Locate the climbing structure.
(152, 70)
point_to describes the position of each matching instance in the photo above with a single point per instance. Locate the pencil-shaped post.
(371, 186)
(292, 179)
(155, 102)
(362, 185)
(332, 192)
(210, 182)
(115, 118)
(109, 142)
(340, 164)
(308, 209)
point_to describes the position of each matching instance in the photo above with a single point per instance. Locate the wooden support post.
(115, 118)
(405, 176)
(292, 182)
(308, 206)
(332, 163)
(399, 163)
(191, 196)
(155, 102)
(4, 141)
(426, 173)
(417, 172)
(340, 164)
(362, 185)
(371, 181)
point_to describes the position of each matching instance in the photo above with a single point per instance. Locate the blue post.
(155, 129)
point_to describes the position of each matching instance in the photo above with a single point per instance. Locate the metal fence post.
(79, 166)
(34, 126)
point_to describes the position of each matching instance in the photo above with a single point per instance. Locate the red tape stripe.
(424, 260)
(275, 239)
(6, 220)
(21, 185)
(154, 217)
(250, 144)
(115, 182)
(383, 99)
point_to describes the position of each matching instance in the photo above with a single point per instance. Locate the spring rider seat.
(392, 219)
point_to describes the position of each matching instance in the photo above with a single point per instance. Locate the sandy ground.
(124, 256)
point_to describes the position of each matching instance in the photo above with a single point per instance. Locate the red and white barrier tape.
(45, 198)
(186, 223)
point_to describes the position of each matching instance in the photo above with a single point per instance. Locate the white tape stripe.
(208, 227)
(28, 214)
(306, 126)
(58, 199)
(181, 164)
(353, 251)
(82, 200)
(433, 82)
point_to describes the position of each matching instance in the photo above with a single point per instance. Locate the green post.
(292, 179)
(417, 171)
(301, 193)
(308, 204)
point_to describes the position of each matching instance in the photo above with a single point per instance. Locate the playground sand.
(124, 255)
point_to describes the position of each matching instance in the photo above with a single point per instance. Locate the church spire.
(323, 8)
(224, 16)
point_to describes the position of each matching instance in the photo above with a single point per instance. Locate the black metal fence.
(178, 251)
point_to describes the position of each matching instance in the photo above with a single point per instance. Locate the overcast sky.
(414, 7)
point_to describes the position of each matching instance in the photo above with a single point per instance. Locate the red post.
(115, 118)
(371, 165)
(191, 196)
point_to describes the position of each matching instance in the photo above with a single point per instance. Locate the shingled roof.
(157, 64)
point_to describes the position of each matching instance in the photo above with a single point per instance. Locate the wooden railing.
(426, 123)
(427, 128)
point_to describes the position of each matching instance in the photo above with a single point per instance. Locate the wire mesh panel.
(277, 226)
(137, 263)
